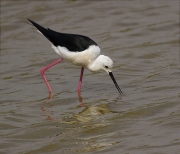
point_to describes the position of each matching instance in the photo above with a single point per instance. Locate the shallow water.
(141, 37)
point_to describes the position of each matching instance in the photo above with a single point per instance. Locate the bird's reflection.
(91, 112)
(79, 97)
(47, 105)
(45, 108)
(86, 114)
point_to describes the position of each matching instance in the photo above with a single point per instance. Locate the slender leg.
(47, 67)
(80, 82)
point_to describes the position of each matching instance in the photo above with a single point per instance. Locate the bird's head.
(105, 63)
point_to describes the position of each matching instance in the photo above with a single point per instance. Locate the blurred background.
(142, 38)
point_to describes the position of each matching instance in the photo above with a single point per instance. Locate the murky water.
(142, 37)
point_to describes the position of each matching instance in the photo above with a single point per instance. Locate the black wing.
(72, 42)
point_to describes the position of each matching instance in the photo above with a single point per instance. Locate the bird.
(77, 49)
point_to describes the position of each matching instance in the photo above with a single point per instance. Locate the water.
(141, 37)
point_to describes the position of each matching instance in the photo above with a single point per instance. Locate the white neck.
(96, 65)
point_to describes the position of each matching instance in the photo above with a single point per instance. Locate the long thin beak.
(115, 83)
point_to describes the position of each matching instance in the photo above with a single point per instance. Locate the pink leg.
(80, 81)
(47, 67)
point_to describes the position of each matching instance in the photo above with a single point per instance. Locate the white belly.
(78, 58)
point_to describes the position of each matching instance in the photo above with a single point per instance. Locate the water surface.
(142, 38)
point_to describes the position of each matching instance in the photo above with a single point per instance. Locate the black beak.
(115, 83)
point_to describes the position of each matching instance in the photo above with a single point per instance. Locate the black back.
(72, 42)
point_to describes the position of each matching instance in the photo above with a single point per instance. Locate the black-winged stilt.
(77, 49)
